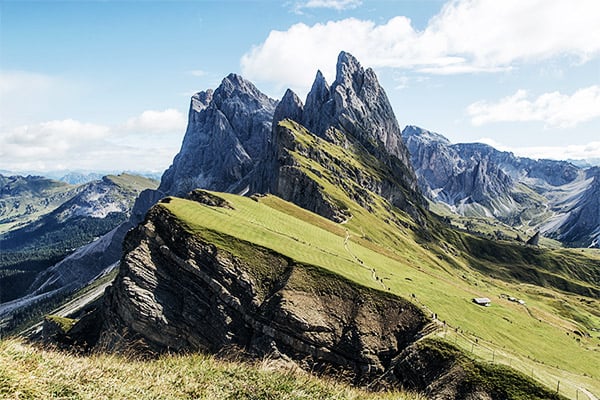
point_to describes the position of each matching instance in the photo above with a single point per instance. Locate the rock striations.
(228, 135)
(177, 291)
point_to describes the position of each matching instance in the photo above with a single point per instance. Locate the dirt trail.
(361, 262)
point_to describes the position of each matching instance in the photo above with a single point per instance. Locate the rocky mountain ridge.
(228, 135)
(474, 179)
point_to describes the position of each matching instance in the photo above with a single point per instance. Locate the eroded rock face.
(228, 135)
(582, 227)
(357, 105)
(178, 292)
(353, 112)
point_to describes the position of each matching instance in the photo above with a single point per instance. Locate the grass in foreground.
(28, 372)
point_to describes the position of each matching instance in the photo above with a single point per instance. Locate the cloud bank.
(554, 109)
(588, 151)
(144, 141)
(466, 36)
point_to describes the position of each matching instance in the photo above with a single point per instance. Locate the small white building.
(482, 301)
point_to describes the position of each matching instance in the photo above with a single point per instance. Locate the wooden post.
(558, 387)
(493, 355)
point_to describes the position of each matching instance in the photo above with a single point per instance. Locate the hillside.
(407, 269)
(33, 374)
(26, 198)
(29, 250)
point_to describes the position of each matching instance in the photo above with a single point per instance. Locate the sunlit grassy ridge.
(530, 338)
(28, 372)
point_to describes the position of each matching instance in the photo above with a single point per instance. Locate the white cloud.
(71, 144)
(466, 36)
(588, 151)
(13, 82)
(52, 141)
(334, 4)
(150, 121)
(554, 109)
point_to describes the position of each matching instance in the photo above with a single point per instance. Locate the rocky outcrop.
(355, 114)
(534, 240)
(582, 226)
(358, 106)
(441, 371)
(179, 292)
(294, 184)
(228, 135)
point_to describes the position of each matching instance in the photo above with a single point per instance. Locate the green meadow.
(550, 337)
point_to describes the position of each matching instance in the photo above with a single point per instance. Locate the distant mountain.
(94, 209)
(25, 198)
(475, 179)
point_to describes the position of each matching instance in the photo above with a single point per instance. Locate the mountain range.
(323, 253)
(554, 197)
(46, 221)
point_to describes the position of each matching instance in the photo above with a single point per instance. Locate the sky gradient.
(105, 85)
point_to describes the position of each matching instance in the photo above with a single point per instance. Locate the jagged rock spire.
(228, 134)
(290, 107)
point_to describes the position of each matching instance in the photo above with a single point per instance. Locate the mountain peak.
(412, 131)
(235, 85)
(201, 100)
(290, 106)
(226, 137)
(349, 72)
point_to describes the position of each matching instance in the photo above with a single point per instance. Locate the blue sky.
(105, 85)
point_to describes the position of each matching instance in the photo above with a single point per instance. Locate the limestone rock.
(178, 292)
(228, 134)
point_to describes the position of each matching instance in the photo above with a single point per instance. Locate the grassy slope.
(533, 337)
(27, 372)
(33, 199)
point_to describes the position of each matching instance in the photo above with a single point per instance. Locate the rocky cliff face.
(177, 291)
(582, 224)
(357, 105)
(354, 114)
(228, 135)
